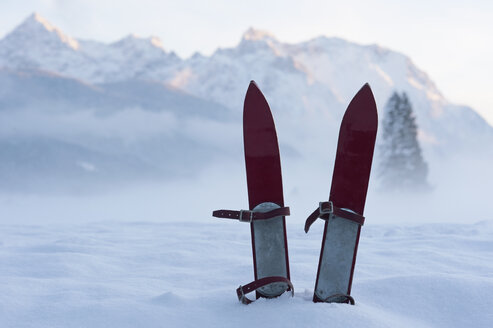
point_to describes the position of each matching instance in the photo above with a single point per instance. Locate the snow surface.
(184, 274)
(155, 257)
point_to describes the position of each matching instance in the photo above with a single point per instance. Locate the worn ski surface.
(348, 191)
(264, 180)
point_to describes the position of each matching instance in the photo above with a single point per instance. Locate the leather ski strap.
(254, 285)
(326, 209)
(249, 216)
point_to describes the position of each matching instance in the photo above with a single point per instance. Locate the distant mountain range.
(47, 76)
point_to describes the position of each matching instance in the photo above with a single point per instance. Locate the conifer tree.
(402, 165)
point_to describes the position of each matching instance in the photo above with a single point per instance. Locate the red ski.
(343, 213)
(267, 212)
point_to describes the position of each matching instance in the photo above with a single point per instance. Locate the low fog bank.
(460, 194)
(86, 152)
(138, 165)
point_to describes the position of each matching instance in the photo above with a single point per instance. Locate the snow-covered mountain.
(92, 134)
(37, 44)
(321, 76)
(50, 91)
(317, 76)
(308, 86)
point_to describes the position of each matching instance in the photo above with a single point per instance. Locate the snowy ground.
(184, 274)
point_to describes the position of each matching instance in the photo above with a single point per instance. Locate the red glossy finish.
(263, 165)
(352, 166)
(355, 152)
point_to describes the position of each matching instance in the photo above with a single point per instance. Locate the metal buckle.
(249, 219)
(323, 211)
(240, 294)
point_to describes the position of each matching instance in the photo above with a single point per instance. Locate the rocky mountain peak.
(37, 29)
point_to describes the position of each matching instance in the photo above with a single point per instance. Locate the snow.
(36, 43)
(36, 22)
(316, 77)
(184, 274)
(255, 35)
(155, 257)
(130, 254)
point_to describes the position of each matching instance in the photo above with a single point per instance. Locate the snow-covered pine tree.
(402, 167)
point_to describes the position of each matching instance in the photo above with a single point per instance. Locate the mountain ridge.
(308, 86)
(319, 75)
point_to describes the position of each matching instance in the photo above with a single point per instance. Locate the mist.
(459, 190)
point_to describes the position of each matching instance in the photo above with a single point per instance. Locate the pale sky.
(451, 40)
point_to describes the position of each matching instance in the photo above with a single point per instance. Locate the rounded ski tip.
(255, 101)
(363, 104)
(253, 84)
(253, 88)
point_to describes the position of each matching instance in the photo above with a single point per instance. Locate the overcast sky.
(451, 40)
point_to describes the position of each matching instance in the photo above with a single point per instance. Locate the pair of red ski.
(343, 212)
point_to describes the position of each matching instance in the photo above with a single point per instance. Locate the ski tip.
(255, 100)
(363, 105)
(254, 90)
(365, 93)
(366, 88)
